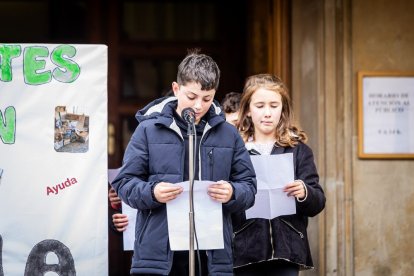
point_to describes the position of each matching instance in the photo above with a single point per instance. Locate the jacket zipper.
(293, 228)
(210, 157)
(243, 228)
(271, 238)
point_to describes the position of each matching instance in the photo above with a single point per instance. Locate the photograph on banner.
(71, 129)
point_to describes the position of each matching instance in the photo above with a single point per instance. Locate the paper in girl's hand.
(273, 172)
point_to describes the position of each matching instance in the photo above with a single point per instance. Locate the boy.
(231, 105)
(157, 158)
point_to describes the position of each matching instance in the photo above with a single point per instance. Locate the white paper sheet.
(208, 219)
(112, 173)
(129, 233)
(273, 172)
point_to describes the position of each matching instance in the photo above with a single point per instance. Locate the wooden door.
(148, 39)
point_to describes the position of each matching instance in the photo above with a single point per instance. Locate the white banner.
(53, 160)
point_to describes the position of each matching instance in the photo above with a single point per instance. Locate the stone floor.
(75, 147)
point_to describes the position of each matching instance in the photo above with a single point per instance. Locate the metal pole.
(191, 213)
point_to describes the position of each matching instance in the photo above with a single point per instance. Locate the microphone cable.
(192, 199)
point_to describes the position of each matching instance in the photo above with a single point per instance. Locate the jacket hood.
(153, 109)
(161, 108)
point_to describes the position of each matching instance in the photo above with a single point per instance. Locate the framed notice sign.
(386, 115)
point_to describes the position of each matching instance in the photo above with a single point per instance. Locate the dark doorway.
(146, 40)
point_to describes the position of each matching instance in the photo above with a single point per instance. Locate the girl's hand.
(114, 199)
(296, 189)
(120, 221)
(220, 191)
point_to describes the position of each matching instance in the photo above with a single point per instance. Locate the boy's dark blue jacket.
(156, 154)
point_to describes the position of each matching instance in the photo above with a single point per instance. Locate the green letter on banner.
(68, 70)
(7, 53)
(8, 125)
(31, 65)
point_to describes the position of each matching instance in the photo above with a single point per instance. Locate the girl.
(278, 246)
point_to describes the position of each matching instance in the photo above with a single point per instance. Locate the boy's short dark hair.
(199, 68)
(231, 102)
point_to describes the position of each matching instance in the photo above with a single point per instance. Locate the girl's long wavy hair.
(287, 134)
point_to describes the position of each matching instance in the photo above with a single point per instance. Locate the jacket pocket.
(216, 162)
(293, 228)
(144, 227)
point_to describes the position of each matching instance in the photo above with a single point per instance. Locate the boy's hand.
(220, 191)
(164, 192)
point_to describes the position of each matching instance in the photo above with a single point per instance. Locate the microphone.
(188, 114)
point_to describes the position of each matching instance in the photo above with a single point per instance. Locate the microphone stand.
(191, 133)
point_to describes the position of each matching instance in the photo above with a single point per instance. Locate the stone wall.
(366, 228)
